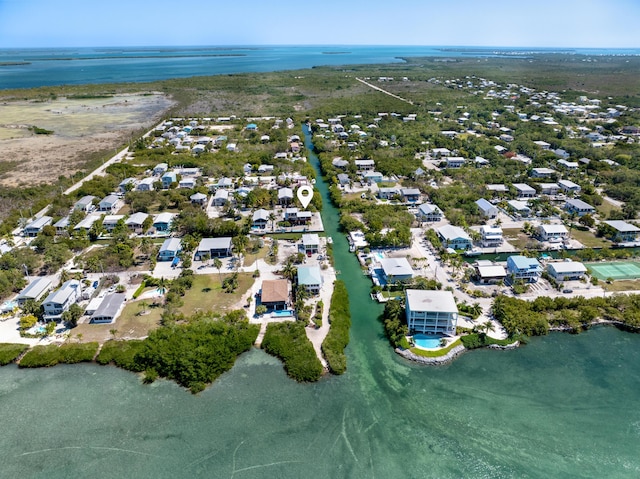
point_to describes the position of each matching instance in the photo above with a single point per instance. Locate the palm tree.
(113, 332)
(289, 271)
(272, 219)
(143, 306)
(217, 264)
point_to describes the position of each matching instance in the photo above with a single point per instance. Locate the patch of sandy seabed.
(80, 126)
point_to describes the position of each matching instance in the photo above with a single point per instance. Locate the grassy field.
(588, 239)
(250, 259)
(621, 285)
(606, 208)
(437, 353)
(130, 324)
(206, 293)
(516, 237)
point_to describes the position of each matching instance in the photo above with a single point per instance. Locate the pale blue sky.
(536, 23)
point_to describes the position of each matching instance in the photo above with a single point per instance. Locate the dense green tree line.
(288, 341)
(337, 339)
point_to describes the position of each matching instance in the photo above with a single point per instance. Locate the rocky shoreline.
(450, 356)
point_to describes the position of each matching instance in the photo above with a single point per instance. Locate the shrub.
(9, 352)
(337, 340)
(52, 354)
(120, 353)
(288, 341)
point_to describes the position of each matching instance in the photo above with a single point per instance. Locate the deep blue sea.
(28, 68)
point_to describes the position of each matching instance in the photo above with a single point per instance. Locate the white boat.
(473, 252)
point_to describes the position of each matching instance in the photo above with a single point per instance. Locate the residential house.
(169, 249)
(310, 278)
(491, 236)
(388, 193)
(454, 237)
(431, 312)
(542, 172)
(35, 227)
(524, 191)
(488, 272)
(200, 199)
(162, 222)
(127, 184)
(365, 165)
(109, 309)
(146, 184)
(579, 207)
(86, 223)
(275, 294)
(410, 195)
(187, 182)
(340, 163)
(439, 152)
(549, 188)
(519, 207)
(265, 168)
(566, 270)
(623, 232)
(135, 222)
(521, 267)
(343, 179)
(455, 161)
(396, 270)
(429, 212)
(84, 204)
(487, 210)
(160, 169)
(260, 218)
(34, 290)
(552, 232)
(542, 144)
(61, 225)
(109, 222)
(310, 243)
(296, 217)
(569, 165)
(285, 196)
(569, 186)
(373, 176)
(108, 204)
(213, 248)
(59, 301)
(168, 179)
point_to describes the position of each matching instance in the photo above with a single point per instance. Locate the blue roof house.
(521, 267)
(310, 278)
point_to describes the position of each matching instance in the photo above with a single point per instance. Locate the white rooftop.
(433, 301)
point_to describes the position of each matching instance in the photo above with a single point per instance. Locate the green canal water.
(561, 407)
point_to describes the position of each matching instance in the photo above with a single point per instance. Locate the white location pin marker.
(305, 193)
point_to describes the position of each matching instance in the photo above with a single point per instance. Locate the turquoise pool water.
(427, 341)
(378, 255)
(282, 314)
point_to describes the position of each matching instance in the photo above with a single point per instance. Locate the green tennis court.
(626, 270)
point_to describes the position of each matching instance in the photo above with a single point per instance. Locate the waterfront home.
(550, 232)
(491, 236)
(108, 204)
(454, 237)
(623, 232)
(296, 217)
(396, 270)
(373, 176)
(338, 162)
(431, 312)
(160, 169)
(549, 188)
(59, 301)
(310, 278)
(521, 267)
(285, 196)
(260, 218)
(388, 193)
(213, 247)
(487, 210)
(109, 309)
(488, 272)
(136, 221)
(566, 270)
(168, 179)
(542, 172)
(579, 207)
(310, 243)
(35, 227)
(524, 191)
(34, 290)
(169, 249)
(84, 204)
(410, 195)
(519, 208)
(162, 222)
(569, 186)
(200, 199)
(146, 184)
(275, 294)
(343, 179)
(429, 212)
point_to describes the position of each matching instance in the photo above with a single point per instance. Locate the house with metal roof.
(548, 232)
(491, 236)
(310, 278)
(85, 203)
(524, 191)
(521, 267)
(108, 204)
(488, 272)
(34, 290)
(285, 196)
(579, 207)
(213, 247)
(169, 249)
(168, 178)
(569, 186)
(566, 270)
(35, 227)
(623, 232)
(429, 212)
(59, 301)
(487, 210)
(310, 243)
(396, 270)
(260, 218)
(136, 221)
(109, 309)
(454, 237)
(431, 312)
(162, 222)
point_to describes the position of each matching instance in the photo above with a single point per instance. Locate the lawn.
(251, 258)
(436, 353)
(517, 238)
(588, 239)
(621, 285)
(206, 293)
(605, 209)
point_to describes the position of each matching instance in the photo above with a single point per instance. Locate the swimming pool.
(378, 255)
(427, 341)
(285, 313)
